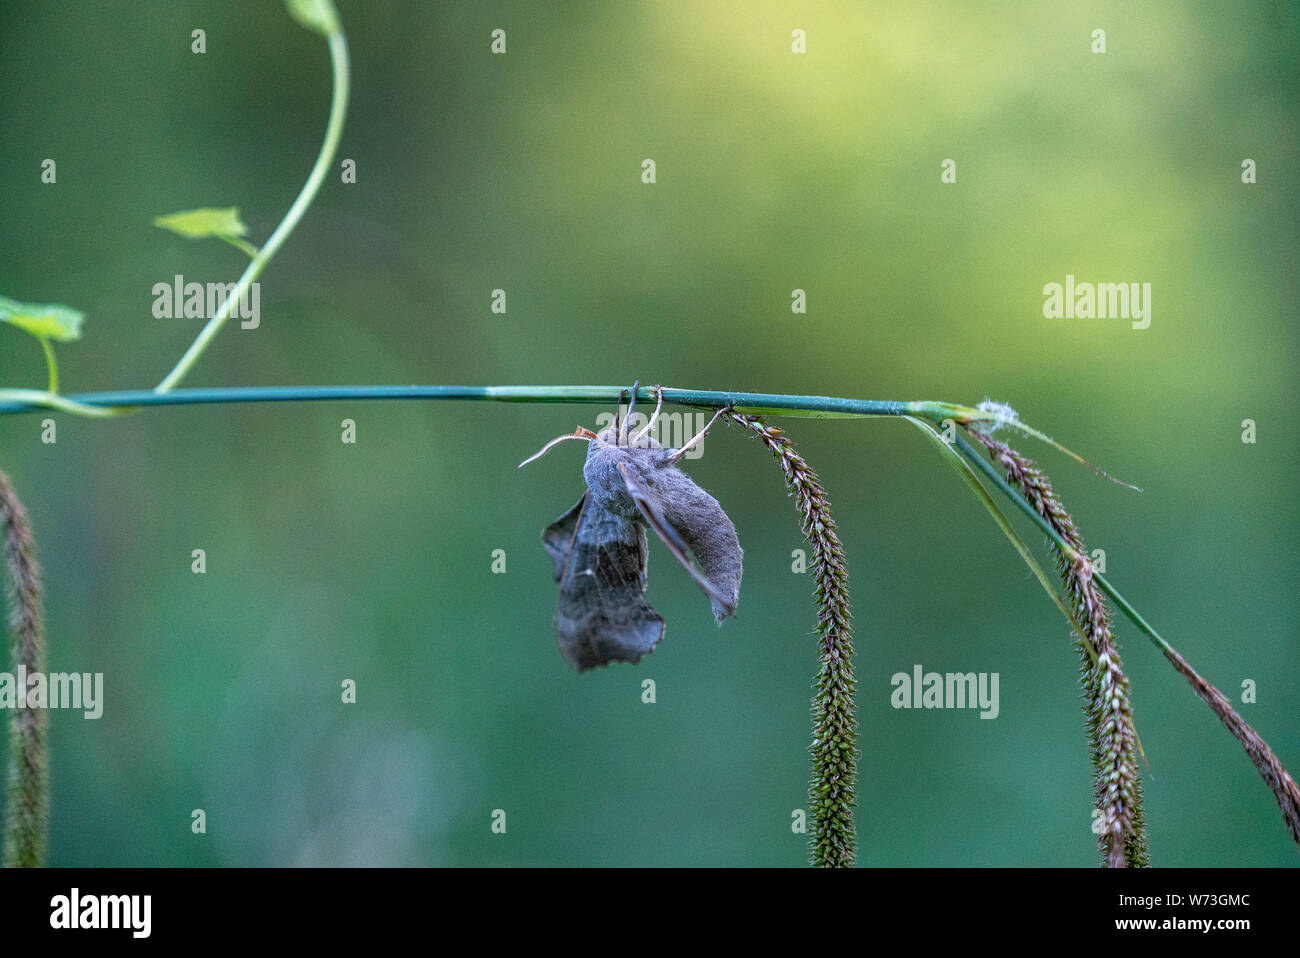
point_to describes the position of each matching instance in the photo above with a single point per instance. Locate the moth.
(600, 547)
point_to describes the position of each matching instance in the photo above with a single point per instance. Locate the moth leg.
(582, 432)
(621, 432)
(677, 456)
(639, 438)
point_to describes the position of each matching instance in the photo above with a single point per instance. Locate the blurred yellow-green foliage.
(775, 171)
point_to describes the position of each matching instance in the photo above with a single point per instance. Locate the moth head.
(629, 431)
(617, 434)
(627, 439)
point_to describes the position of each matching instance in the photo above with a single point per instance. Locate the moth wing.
(602, 615)
(656, 520)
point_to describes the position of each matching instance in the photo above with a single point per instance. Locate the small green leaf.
(43, 320)
(318, 15)
(209, 221)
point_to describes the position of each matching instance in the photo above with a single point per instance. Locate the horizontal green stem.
(29, 400)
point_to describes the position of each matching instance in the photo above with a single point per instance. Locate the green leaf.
(43, 320)
(318, 15)
(208, 221)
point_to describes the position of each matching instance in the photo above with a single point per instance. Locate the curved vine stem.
(338, 46)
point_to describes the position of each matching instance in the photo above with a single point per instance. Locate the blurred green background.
(775, 171)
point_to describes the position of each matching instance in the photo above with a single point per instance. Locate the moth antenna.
(654, 417)
(582, 432)
(699, 437)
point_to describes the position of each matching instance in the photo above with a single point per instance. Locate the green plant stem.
(241, 244)
(772, 404)
(338, 46)
(32, 400)
(51, 363)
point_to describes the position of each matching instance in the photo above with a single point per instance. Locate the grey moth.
(600, 547)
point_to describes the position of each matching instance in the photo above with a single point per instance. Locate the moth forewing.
(600, 549)
(724, 595)
(710, 536)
